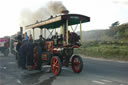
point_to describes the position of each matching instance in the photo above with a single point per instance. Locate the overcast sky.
(102, 12)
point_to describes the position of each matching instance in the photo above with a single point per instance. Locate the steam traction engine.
(57, 50)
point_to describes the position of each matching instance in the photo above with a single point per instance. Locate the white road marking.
(121, 84)
(46, 66)
(106, 80)
(3, 67)
(18, 81)
(94, 81)
(11, 62)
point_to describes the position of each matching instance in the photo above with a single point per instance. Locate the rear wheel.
(56, 65)
(77, 64)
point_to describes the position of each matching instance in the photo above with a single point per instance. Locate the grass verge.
(114, 52)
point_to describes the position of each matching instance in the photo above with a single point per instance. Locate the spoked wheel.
(77, 64)
(56, 65)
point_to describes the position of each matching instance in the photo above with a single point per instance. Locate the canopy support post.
(80, 32)
(55, 30)
(61, 28)
(33, 34)
(67, 32)
(40, 31)
(45, 33)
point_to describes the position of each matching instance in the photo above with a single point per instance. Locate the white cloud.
(102, 12)
(125, 2)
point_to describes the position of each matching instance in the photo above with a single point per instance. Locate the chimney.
(65, 12)
(21, 30)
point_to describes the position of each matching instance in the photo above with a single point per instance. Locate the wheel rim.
(55, 66)
(76, 64)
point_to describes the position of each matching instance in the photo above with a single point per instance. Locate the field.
(111, 43)
(108, 50)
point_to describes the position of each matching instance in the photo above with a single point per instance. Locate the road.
(95, 72)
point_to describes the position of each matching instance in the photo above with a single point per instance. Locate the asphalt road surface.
(95, 72)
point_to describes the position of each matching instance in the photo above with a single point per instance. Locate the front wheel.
(77, 64)
(56, 65)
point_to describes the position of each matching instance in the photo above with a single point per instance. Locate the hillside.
(114, 33)
(110, 44)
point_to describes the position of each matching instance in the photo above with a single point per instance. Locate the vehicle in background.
(14, 41)
(13, 46)
(4, 46)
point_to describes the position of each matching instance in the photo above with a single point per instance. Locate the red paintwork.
(4, 42)
(75, 46)
(33, 67)
(55, 51)
(55, 66)
(35, 57)
(76, 64)
(3, 39)
(44, 57)
(49, 46)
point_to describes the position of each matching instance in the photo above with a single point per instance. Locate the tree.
(115, 24)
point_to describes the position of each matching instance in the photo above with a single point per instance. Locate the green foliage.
(109, 50)
(115, 24)
(111, 43)
(118, 32)
(115, 32)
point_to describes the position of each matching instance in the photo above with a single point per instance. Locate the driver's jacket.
(26, 53)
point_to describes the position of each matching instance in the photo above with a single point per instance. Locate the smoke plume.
(28, 17)
(56, 7)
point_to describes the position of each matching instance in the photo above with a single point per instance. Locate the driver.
(26, 53)
(74, 38)
(19, 38)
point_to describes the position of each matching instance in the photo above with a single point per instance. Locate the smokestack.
(65, 12)
(21, 30)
